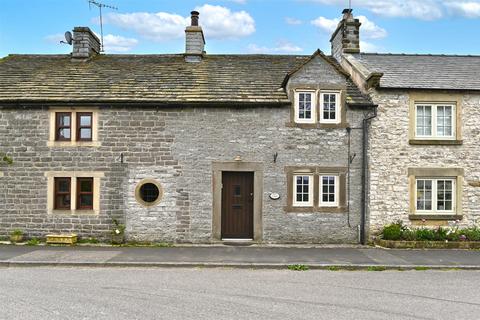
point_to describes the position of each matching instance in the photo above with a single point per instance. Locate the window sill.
(74, 212)
(292, 209)
(435, 142)
(445, 217)
(317, 125)
(74, 144)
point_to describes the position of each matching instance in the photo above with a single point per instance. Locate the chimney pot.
(195, 17)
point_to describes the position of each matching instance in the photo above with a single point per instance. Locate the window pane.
(444, 121)
(63, 186)
(86, 121)
(328, 189)
(62, 201)
(85, 133)
(305, 106)
(329, 106)
(424, 121)
(64, 133)
(444, 195)
(86, 200)
(424, 194)
(86, 186)
(64, 120)
(302, 189)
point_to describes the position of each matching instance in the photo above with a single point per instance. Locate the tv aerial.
(100, 6)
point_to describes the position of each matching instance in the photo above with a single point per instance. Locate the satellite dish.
(68, 37)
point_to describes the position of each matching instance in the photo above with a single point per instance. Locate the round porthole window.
(148, 192)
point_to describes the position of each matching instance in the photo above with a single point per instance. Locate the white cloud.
(293, 21)
(155, 26)
(469, 9)
(327, 25)
(369, 47)
(55, 38)
(420, 9)
(368, 30)
(217, 22)
(221, 23)
(281, 47)
(114, 43)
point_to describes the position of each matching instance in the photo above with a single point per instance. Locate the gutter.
(364, 204)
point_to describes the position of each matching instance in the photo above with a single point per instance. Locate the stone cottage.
(424, 143)
(200, 148)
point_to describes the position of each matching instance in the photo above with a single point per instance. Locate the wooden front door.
(237, 205)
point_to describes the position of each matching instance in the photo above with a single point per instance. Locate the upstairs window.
(63, 126)
(71, 127)
(435, 121)
(330, 107)
(305, 105)
(84, 126)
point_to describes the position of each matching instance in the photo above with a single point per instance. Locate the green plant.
(421, 268)
(6, 159)
(298, 267)
(33, 242)
(118, 229)
(91, 240)
(424, 234)
(334, 268)
(16, 232)
(376, 268)
(393, 231)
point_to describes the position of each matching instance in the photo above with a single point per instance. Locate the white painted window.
(435, 195)
(330, 107)
(435, 121)
(329, 191)
(305, 105)
(303, 190)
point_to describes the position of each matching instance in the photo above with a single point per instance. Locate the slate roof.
(447, 72)
(151, 79)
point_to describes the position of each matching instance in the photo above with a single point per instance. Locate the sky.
(243, 26)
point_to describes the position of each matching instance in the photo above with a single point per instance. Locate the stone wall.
(390, 156)
(175, 146)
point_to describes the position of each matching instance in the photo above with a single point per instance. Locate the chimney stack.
(85, 43)
(195, 40)
(346, 38)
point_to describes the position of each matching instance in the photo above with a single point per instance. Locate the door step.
(238, 242)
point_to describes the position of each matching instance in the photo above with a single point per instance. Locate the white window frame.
(434, 135)
(338, 107)
(336, 191)
(313, 118)
(310, 190)
(435, 195)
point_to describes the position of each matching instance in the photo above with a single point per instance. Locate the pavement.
(238, 257)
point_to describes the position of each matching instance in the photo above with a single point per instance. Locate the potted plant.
(118, 232)
(16, 236)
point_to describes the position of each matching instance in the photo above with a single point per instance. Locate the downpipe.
(363, 215)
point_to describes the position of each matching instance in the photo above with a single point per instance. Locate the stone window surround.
(417, 98)
(237, 166)
(73, 131)
(51, 175)
(452, 173)
(139, 198)
(327, 88)
(1, 174)
(316, 172)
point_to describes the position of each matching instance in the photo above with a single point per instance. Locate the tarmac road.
(219, 293)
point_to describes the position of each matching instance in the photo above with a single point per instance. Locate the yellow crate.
(62, 238)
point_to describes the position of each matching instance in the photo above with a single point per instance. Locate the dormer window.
(330, 107)
(305, 106)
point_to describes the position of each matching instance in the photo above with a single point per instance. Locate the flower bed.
(397, 235)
